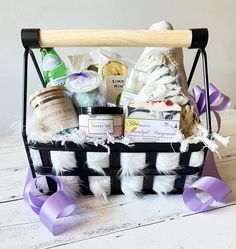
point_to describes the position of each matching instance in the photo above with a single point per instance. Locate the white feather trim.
(35, 156)
(63, 161)
(167, 162)
(163, 184)
(196, 158)
(190, 179)
(131, 186)
(70, 185)
(97, 161)
(132, 163)
(100, 186)
(37, 132)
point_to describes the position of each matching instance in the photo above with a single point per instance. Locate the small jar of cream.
(98, 121)
(54, 108)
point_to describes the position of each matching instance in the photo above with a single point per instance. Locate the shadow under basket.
(192, 39)
(150, 170)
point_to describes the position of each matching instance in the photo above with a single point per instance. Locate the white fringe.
(163, 184)
(100, 186)
(132, 186)
(132, 163)
(63, 161)
(167, 162)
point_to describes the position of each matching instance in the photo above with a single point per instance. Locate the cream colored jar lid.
(45, 90)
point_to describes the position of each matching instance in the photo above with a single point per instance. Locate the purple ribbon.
(49, 208)
(218, 101)
(210, 182)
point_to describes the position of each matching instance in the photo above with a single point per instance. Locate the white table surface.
(150, 222)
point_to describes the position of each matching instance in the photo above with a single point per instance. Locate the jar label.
(50, 62)
(100, 126)
(57, 114)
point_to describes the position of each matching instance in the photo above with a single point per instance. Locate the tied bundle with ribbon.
(210, 182)
(49, 208)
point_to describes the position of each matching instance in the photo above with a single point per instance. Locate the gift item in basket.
(54, 109)
(134, 83)
(87, 89)
(152, 121)
(100, 121)
(54, 69)
(167, 78)
(88, 61)
(114, 69)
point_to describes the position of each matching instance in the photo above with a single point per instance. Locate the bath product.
(87, 89)
(152, 121)
(87, 61)
(54, 109)
(166, 69)
(133, 85)
(98, 121)
(114, 69)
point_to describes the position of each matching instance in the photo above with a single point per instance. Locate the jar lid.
(45, 90)
(100, 110)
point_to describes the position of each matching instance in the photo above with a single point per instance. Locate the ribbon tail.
(58, 205)
(209, 168)
(210, 183)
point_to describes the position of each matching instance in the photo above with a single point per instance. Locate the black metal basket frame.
(30, 40)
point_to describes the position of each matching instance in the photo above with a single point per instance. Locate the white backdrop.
(218, 16)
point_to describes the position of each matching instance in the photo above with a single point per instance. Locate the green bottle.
(54, 69)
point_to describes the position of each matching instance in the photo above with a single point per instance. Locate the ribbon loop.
(49, 208)
(217, 189)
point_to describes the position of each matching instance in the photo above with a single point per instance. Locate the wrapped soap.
(153, 121)
(87, 61)
(87, 89)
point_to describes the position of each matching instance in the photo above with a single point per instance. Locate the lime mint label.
(50, 62)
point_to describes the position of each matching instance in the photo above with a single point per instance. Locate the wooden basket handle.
(36, 38)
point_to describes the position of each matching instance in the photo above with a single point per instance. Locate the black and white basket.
(149, 174)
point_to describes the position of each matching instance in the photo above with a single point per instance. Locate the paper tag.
(100, 126)
(146, 130)
(114, 86)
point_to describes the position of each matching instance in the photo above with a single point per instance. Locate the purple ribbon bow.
(211, 182)
(218, 101)
(49, 208)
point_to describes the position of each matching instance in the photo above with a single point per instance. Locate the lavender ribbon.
(218, 101)
(210, 182)
(49, 208)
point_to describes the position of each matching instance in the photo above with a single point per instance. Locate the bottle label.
(57, 82)
(50, 62)
(114, 86)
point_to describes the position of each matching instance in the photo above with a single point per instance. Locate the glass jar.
(99, 121)
(54, 108)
